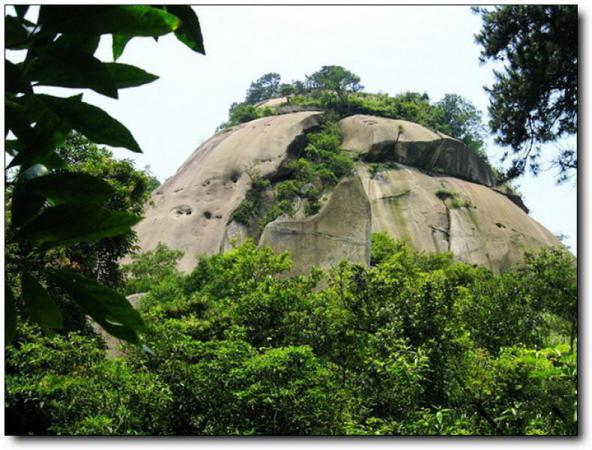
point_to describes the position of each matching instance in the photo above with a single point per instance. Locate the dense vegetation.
(54, 206)
(415, 344)
(338, 91)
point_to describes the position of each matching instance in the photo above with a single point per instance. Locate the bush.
(415, 344)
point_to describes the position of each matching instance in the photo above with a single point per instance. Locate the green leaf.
(189, 32)
(106, 306)
(18, 122)
(71, 68)
(89, 120)
(42, 309)
(13, 146)
(132, 20)
(70, 187)
(67, 224)
(15, 33)
(126, 76)
(119, 43)
(38, 143)
(15, 80)
(9, 315)
(24, 206)
(87, 43)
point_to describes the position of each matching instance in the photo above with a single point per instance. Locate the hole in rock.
(182, 210)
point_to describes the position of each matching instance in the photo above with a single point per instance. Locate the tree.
(267, 86)
(51, 208)
(459, 118)
(99, 260)
(286, 90)
(534, 99)
(336, 79)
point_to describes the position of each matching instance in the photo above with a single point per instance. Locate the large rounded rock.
(191, 210)
(409, 182)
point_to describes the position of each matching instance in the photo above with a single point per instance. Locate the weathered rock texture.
(490, 230)
(481, 224)
(380, 139)
(191, 210)
(340, 231)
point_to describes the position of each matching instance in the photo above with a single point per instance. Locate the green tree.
(50, 208)
(336, 79)
(148, 269)
(267, 86)
(456, 116)
(535, 97)
(131, 190)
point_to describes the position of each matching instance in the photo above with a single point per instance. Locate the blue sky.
(392, 48)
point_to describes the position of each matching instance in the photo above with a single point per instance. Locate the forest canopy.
(416, 344)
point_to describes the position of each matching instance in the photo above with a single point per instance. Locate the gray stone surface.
(193, 210)
(340, 231)
(381, 139)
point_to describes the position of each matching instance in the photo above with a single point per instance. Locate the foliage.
(267, 86)
(322, 163)
(250, 206)
(534, 99)
(131, 189)
(63, 385)
(150, 268)
(338, 91)
(457, 117)
(51, 208)
(415, 344)
(452, 200)
(244, 112)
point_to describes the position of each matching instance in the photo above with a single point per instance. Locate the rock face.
(479, 226)
(380, 139)
(341, 230)
(191, 210)
(409, 182)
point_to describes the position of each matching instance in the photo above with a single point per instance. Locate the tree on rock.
(534, 98)
(267, 86)
(336, 79)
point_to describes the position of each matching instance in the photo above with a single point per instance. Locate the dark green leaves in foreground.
(70, 187)
(135, 20)
(189, 32)
(42, 309)
(9, 314)
(68, 224)
(91, 121)
(50, 208)
(105, 305)
(57, 66)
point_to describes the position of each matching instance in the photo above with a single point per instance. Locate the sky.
(392, 48)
